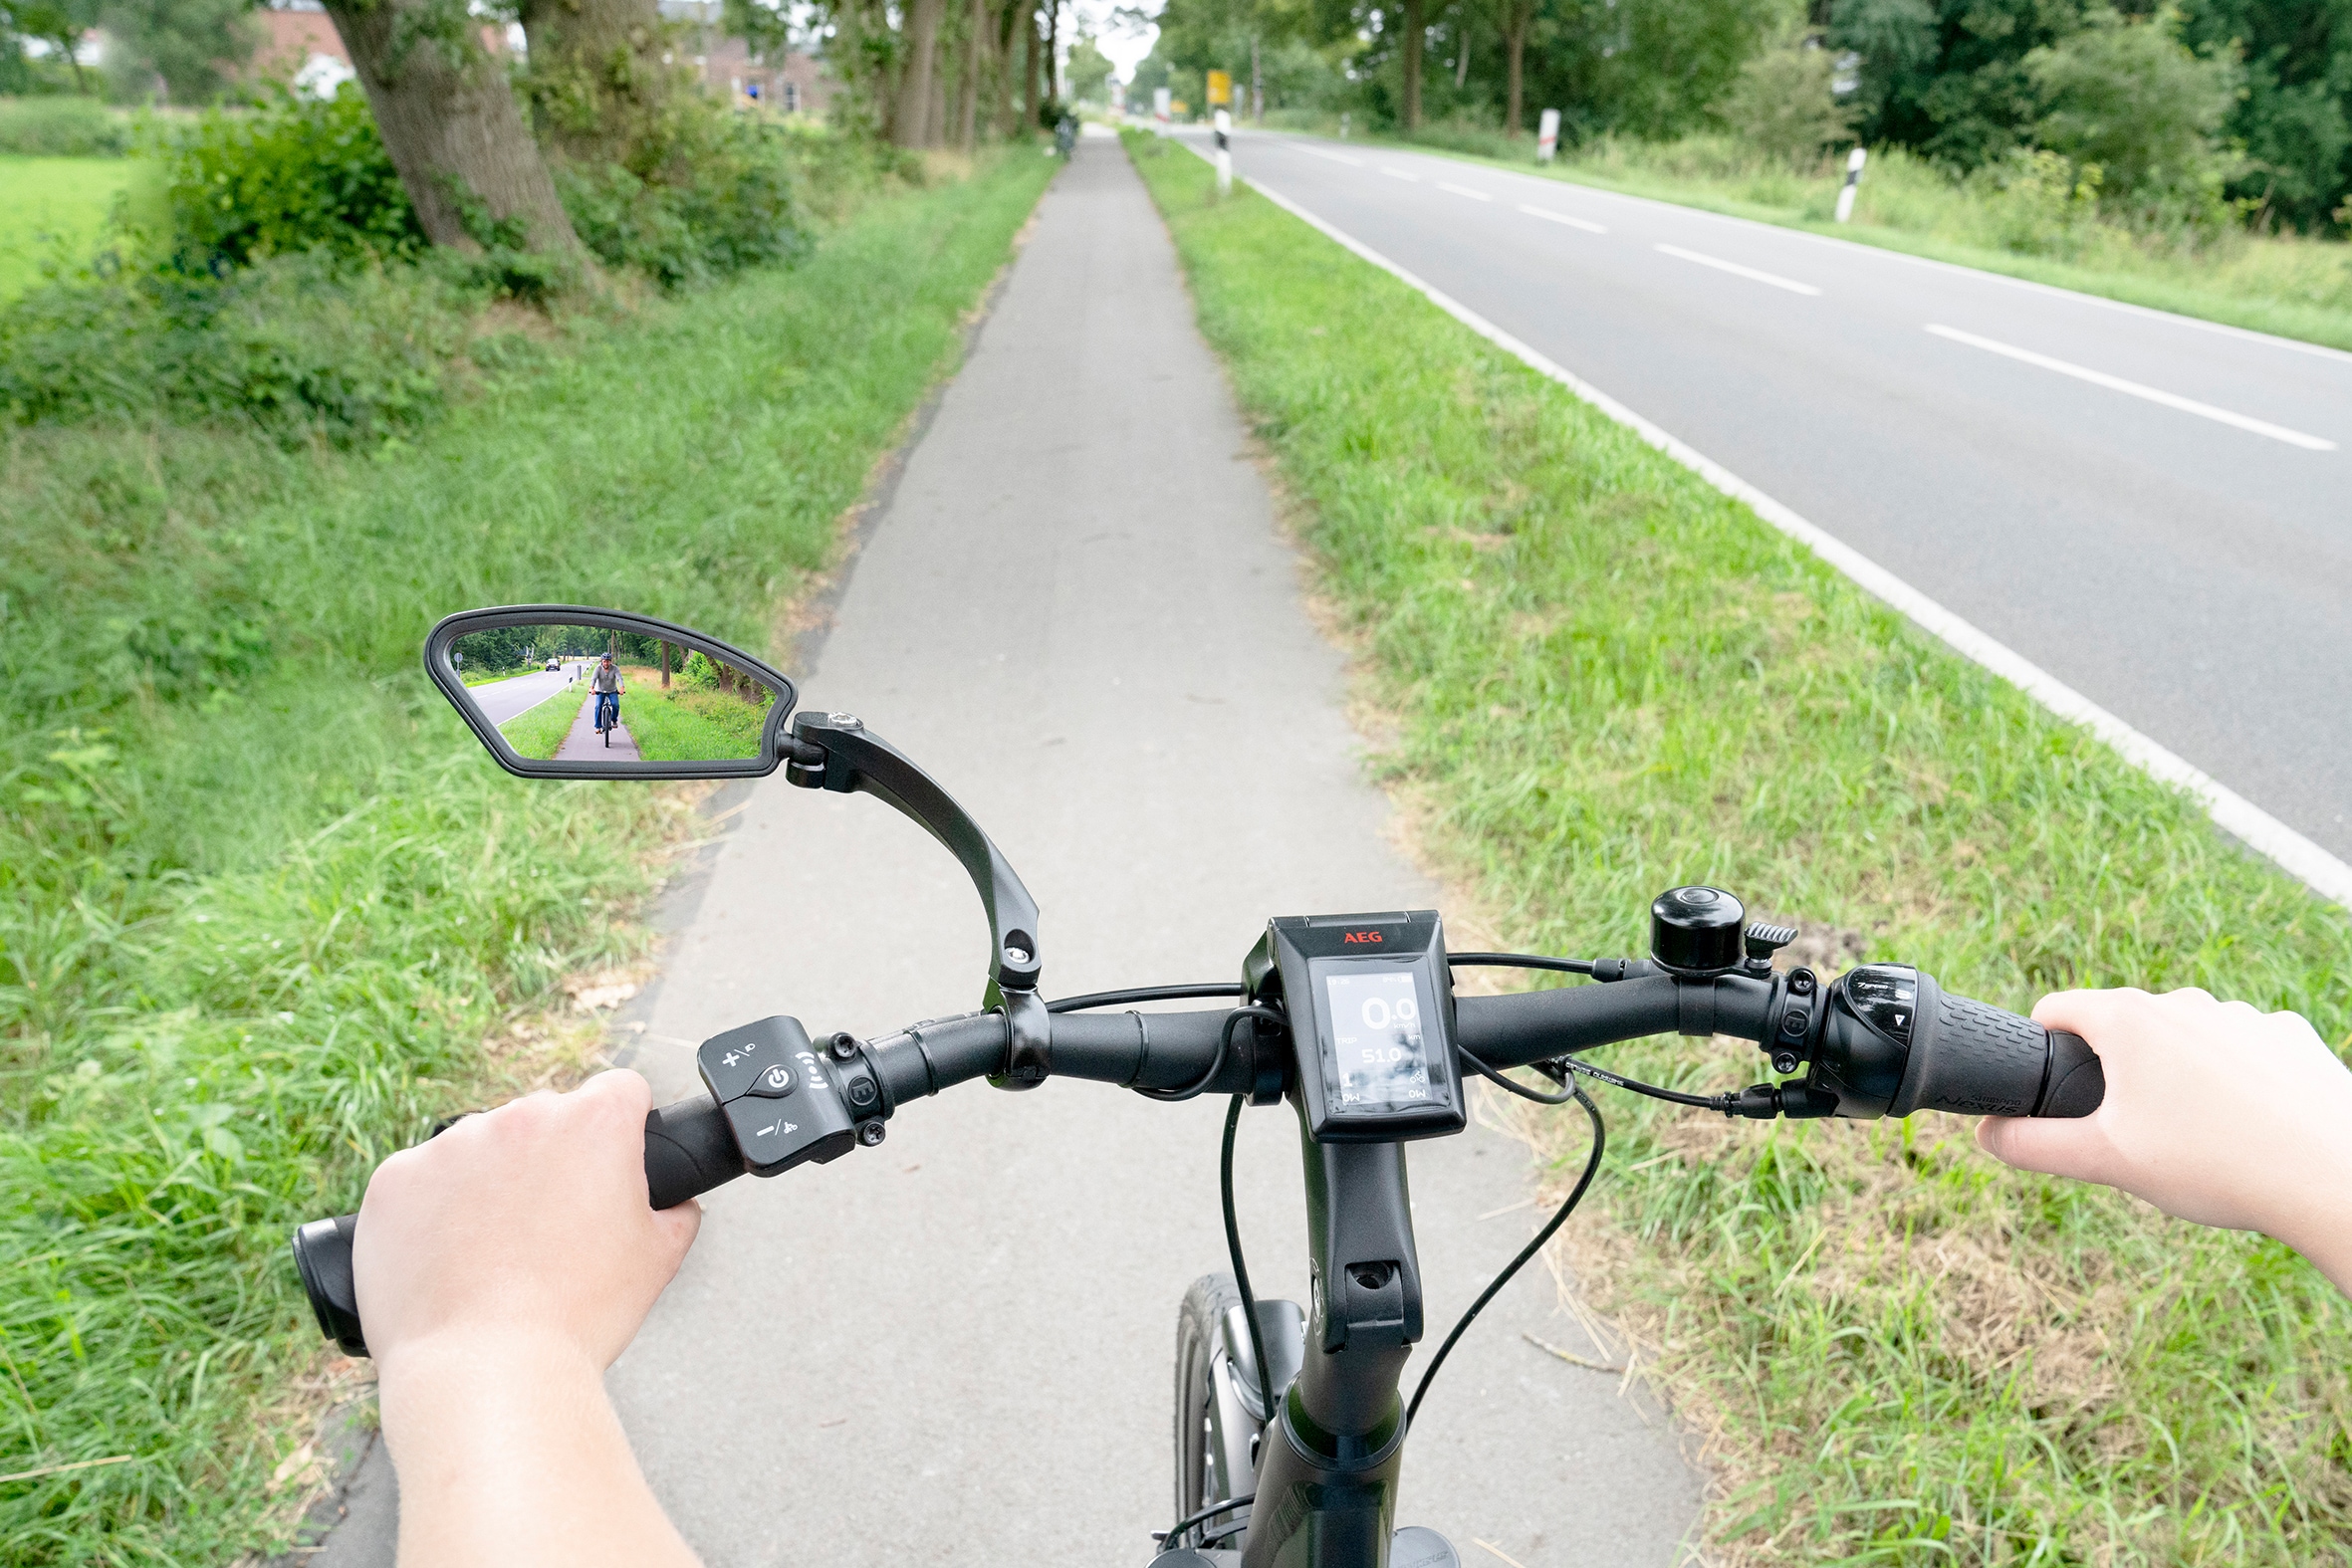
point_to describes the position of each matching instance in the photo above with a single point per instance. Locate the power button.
(774, 1081)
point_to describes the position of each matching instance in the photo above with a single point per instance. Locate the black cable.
(1706, 1102)
(1519, 1089)
(1523, 961)
(1600, 1141)
(1199, 1085)
(1241, 1270)
(1168, 1541)
(1114, 999)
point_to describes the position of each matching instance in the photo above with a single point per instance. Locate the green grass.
(2285, 284)
(1607, 679)
(685, 724)
(538, 733)
(55, 209)
(263, 899)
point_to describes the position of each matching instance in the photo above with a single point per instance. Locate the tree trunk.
(1416, 32)
(1516, 46)
(1461, 55)
(968, 112)
(1029, 100)
(596, 81)
(452, 125)
(1053, 51)
(911, 125)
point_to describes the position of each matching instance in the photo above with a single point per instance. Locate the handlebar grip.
(688, 1151)
(1977, 1059)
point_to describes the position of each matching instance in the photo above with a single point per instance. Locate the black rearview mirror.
(560, 691)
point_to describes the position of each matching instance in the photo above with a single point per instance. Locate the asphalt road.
(2156, 512)
(1077, 611)
(503, 700)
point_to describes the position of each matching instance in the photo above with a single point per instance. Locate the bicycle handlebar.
(1956, 1055)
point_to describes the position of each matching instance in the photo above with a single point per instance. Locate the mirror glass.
(597, 693)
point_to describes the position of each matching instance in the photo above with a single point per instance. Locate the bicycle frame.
(1328, 1465)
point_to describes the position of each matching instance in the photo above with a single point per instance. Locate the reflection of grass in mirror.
(537, 732)
(686, 725)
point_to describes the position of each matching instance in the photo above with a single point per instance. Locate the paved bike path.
(956, 1348)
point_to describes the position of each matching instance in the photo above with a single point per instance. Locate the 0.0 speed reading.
(1376, 1037)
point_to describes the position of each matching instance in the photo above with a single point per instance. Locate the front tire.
(1198, 1344)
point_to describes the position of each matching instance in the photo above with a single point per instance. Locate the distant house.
(791, 84)
(300, 43)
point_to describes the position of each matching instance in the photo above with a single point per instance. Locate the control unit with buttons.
(787, 1102)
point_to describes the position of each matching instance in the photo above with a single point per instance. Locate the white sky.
(1125, 48)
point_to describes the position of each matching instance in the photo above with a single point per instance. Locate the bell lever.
(834, 750)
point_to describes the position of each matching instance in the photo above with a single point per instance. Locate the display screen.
(1376, 1039)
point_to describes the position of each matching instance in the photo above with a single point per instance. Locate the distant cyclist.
(608, 685)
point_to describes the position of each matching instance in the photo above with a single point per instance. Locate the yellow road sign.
(1220, 88)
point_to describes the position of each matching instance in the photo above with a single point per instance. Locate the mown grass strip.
(261, 897)
(1606, 678)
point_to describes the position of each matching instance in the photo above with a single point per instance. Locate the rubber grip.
(688, 1151)
(1979, 1061)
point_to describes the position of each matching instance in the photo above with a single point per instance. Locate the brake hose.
(1600, 1141)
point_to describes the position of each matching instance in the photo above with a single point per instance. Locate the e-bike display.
(1291, 1427)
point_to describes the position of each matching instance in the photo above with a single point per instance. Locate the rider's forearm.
(510, 1455)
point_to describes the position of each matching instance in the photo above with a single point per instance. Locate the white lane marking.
(1737, 271)
(1562, 217)
(1863, 248)
(1399, 175)
(1464, 190)
(1336, 157)
(2232, 812)
(2116, 383)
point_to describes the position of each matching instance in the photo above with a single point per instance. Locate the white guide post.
(1224, 155)
(1846, 196)
(1546, 134)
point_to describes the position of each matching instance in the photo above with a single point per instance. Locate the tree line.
(2242, 105)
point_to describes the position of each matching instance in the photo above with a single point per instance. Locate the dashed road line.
(1409, 178)
(1550, 216)
(1464, 190)
(1737, 271)
(2116, 383)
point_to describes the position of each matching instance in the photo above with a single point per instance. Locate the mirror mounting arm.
(834, 750)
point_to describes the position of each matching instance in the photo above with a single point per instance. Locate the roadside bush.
(720, 199)
(297, 174)
(1784, 106)
(2128, 99)
(294, 345)
(61, 127)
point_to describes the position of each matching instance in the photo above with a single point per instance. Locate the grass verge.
(56, 207)
(1605, 678)
(538, 733)
(2286, 284)
(262, 899)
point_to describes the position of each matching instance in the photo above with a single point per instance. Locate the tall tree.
(1516, 17)
(450, 122)
(975, 32)
(1416, 37)
(599, 81)
(55, 25)
(909, 123)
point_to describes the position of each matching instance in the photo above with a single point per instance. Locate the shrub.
(2127, 97)
(63, 128)
(1784, 106)
(294, 345)
(720, 199)
(296, 174)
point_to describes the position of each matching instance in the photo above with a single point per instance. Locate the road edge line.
(2236, 816)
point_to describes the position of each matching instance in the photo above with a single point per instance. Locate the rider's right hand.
(2214, 1112)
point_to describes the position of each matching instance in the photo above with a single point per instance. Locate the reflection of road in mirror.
(536, 684)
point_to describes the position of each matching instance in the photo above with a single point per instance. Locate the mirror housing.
(765, 754)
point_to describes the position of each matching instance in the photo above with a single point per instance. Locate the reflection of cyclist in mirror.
(609, 686)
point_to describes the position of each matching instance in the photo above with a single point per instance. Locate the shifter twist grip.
(1982, 1062)
(688, 1151)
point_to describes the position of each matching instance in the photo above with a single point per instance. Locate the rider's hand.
(500, 1268)
(2214, 1112)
